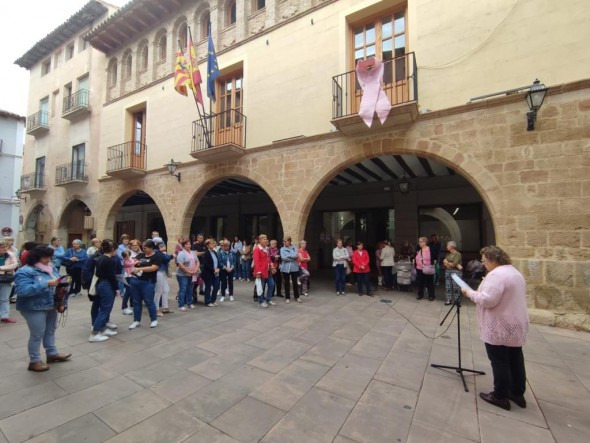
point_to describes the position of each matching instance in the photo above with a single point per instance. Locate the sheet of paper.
(460, 282)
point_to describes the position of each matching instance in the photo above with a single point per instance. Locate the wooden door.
(228, 126)
(137, 154)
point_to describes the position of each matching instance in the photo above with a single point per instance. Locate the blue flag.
(212, 70)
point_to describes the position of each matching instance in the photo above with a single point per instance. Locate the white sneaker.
(263, 305)
(134, 325)
(183, 309)
(215, 304)
(192, 306)
(154, 324)
(211, 305)
(231, 298)
(109, 332)
(272, 303)
(97, 338)
(221, 299)
(111, 325)
(127, 311)
(287, 301)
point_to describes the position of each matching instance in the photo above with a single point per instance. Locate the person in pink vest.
(504, 323)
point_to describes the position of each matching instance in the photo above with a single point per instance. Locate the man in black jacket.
(210, 273)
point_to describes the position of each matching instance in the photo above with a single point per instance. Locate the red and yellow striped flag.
(193, 69)
(182, 79)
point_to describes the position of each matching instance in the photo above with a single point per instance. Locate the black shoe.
(431, 298)
(370, 294)
(201, 292)
(503, 403)
(420, 297)
(518, 400)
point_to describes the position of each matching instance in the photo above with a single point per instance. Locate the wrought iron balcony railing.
(38, 121)
(129, 155)
(400, 83)
(224, 128)
(77, 101)
(33, 181)
(70, 173)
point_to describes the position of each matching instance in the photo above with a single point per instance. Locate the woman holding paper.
(504, 323)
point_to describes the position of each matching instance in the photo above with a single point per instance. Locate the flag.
(181, 77)
(212, 69)
(195, 74)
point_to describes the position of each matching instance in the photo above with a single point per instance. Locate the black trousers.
(76, 286)
(278, 276)
(508, 368)
(293, 276)
(427, 281)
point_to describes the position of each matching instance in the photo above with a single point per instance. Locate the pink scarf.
(374, 98)
(44, 268)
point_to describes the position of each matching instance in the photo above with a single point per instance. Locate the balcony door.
(78, 161)
(44, 108)
(138, 140)
(83, 94)
(228, 126)
(40, 172)
(384, 37)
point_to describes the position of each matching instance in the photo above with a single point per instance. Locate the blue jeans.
(211, 288)
(102, 305)
(142, 290)
(5, 289)
(340, 273)
(227, 281)
(245, 269)
(42, 325)
(362, 279)
(268, 285)
(125, 292)
(185, 290)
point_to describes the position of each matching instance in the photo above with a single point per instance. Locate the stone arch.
(161, 51)
(179, 32)
(213, 177)
(142, 56)
(112, 77)
(201, 18)
(38, 223)
(352, 152)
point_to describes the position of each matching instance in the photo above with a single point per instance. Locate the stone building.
(11, 154)
(283, 149)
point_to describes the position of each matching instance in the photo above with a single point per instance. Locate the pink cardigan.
(501, 307)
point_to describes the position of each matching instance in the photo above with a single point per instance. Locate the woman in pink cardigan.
(504, 323)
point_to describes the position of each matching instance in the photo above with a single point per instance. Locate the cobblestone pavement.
(331, 369)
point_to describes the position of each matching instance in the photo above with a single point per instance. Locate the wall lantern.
(534, 98)
(20, 196)
(404, 185)
(172, 165)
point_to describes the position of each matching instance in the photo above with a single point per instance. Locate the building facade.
(12, 132)
(283, 149)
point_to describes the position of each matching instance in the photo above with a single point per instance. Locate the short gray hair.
(77, 241)
(452, 244)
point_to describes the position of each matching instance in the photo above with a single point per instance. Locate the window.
(128, 65)
(138, 136)
(182, 35)
(162, 44)
(57, 59)
(230, 13)
(205, 25)
(143, 57)
(258, 4)
(78, 161)
(44, 114)
(45, 67)
(82, 44)
(39, 173)
(228, 127)
(112, 73)
(70, 51)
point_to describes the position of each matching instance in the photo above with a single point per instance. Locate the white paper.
(460, 282)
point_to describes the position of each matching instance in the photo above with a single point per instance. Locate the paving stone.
(280, 356)
(316, 418)
(212, 400)
(404, 369)
(233, 357)
(218, 344)
(304, 321)
(273, 337)
(208, 434)
(86, 429)
(375, 344)
(411, 340)
(495, 428)
(340, 439)
(27, 398)
(172, 425)
(131, 410)
(288, 386)
(350, 376)
(421, 433)
(353, 330)
(50, 415)
(178, 386)
(566, 425)
(329, 350)
(248, 420)
(383, 414)
(443, 404)
(132, 361)
(84, 379)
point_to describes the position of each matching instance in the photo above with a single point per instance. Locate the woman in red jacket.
(361, 268)
(262, 265)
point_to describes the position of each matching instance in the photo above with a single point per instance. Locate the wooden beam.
(344, 179)
(405, 166)
(384, 168)
(368, 172)
(356, 175)
(426, 165)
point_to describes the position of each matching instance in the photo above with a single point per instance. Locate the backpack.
(88, 270)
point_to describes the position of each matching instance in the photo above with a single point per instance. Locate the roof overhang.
(89, 13)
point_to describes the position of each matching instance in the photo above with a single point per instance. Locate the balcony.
(76, 105)
(400, 84)
(219, 137)
(127, 160)
(74, 172)
(33, 183)
(38, 123)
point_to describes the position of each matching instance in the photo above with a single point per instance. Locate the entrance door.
(229, 120)
(138, 140)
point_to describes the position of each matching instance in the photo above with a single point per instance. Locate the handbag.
(6, 278)
(427, 269)
(92, 288)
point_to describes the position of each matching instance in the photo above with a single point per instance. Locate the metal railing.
(400, 84)
(227, 127)
(34, 180)
(126, 155)
(39, 119)
(80, 99)
(71, 172)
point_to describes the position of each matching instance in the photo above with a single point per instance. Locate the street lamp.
(534, 98)
(404, 185)
(172, 165)
(19, 195)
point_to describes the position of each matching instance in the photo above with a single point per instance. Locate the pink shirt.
(423, 255)
(501, 307)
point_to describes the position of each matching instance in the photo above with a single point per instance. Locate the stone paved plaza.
(332, 369)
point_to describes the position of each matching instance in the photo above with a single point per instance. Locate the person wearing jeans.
(143, 287)
(186, 274)
(227, 265)
(262, 271)
(210, 273)
(290, 269)
(107, 288)
(340, 263)
(245, 261)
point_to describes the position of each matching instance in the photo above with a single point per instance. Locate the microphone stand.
(459, 369)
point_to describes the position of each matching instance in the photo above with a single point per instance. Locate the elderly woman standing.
(186, 274)
(290, 269)
(8, 264)
(387, 264)
(340, 263)
(76, 257)
(504, 323)
(452, 265)
(425, 261)
(35, 285)
(303, 258)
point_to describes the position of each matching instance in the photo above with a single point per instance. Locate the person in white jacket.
(340, 264)
(387, 263)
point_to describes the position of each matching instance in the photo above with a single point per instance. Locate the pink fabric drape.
(370, 76)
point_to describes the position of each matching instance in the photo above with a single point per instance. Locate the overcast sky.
(22, 24)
